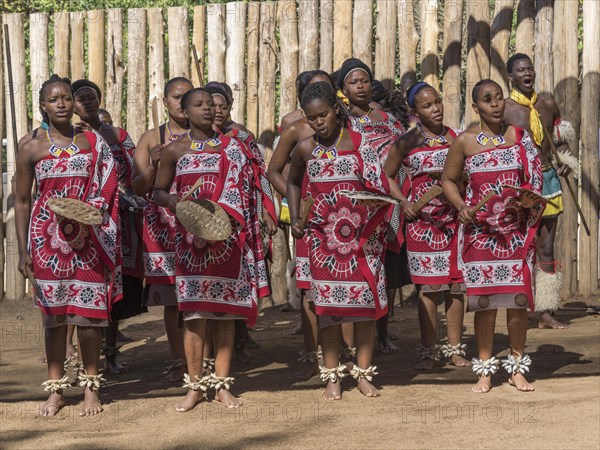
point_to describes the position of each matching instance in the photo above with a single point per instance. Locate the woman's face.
(173, 99)
(489, 104)
(200, 110)
(86, 104)
(357, 87)
(222, 110)
(429, 107)
(58, 103)
(322, 117)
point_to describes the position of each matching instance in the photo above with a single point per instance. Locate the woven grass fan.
(76, 210)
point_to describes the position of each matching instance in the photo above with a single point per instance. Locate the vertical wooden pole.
(478, 48)
(115, 66)
(215, 14)
(156, 59)
(235, 63)
(326, 33)
(342, 32)
(96, 53)
(77, 62)
(61, 44)
(252, 67)
(2, 248)
(385, 43)
(288, 43)
(408, 39)
(179, 46)
(266, 76)
(590, 99)
(38, 52)
(500, 34)
(362, 29)
(430, 33)
(524, 37)
(544, 25)
(137, 93)
(566, 93)
(199, 40)
(307, 25)
(15, 283)
(453, 22)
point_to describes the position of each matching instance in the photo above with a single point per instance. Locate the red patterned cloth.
(159, 236)
(131, 214)
(347, 238)
(261, 198)
(303, 277)
(382, 135)
(77, 267)
(218, 277)
(497, 249)
(431, 237)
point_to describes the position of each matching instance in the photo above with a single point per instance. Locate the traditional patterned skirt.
(77, 267)
(347, 237)
(497, 249)
(217, 277)
(431, 237)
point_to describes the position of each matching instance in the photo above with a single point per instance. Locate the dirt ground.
(427, 410)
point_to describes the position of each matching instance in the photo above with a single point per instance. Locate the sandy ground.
(430, 410)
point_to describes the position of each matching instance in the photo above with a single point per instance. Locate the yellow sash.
(535, 122)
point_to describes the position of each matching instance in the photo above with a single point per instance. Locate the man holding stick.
(524, 108)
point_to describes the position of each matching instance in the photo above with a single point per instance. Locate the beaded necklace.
(329, 152)
(365, 118)
(71, 149)
(432, 141)
(199, 145)
(497, 139)
(172, 136)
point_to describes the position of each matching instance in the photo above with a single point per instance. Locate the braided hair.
(479, 85)
(214, 88)
(303, 80)
(394, 103)
(322, 90)
(54, 78)
(185, 98)
(172, 81)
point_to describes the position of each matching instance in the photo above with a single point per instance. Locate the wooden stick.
(196, 185)
(482, 203)
(433, 192)
(566, 180)
(306, 211)
(197, 64)
(11, 92)
(155, 119)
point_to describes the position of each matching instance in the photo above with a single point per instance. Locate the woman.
(87, 98)
(356, 81)
(346, 237)
(291, 135)
(430, 233)
(215, 280)
(159, 224)
(77, 267)
(496, 243)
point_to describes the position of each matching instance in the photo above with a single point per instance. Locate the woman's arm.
(392, 167)
(451, 179)
(145, 163)
(281, 157)
(164, 180)
(294, 190)
(23, 185)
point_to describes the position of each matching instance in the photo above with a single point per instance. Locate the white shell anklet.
(367, 373)
(91, 382)
(209, 364)
(56, 385)
(201, 384)
(432, 353)
(333, 375)
(221, 382)
(449, 350)
(513, 365)
(484, 368)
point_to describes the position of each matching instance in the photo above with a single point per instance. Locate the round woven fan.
(204, 219)
(76, 210)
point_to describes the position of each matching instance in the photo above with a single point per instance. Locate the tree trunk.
(326, 32)
(544, 25)
(342, 32)
(216, 41)
(96, 54)
(478, 48)
(408, 39)
(38, 52)
(429, 43)
(199, 40)
(236, 55)
(288, 43)
(362, 29)
(156, 60)
(308, 33)
(590, 99)
(453, 22)
(385, 43)
(501, 27)
(137, 94)
(115, 66)
(179, 45)
(524, 37)
(252, 67)
(61, 44)
(77, 61)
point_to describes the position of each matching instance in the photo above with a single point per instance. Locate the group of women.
(376, 191)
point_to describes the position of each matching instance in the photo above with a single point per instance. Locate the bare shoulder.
(290, 118)
(305, 146)
(549, 103)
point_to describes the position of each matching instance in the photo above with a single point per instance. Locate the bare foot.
(549, 322)
(386, 347)
(174, 373)
(91, 403)
(367, 389)
(53, 405)
(308, 371)
(459, 361)
(228, 400)
(190, 400)
(425, 364)
(519, 381)
(111, 364)
(484, 384)
(333, 391)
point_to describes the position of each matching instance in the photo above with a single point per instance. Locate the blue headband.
(413, 91)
